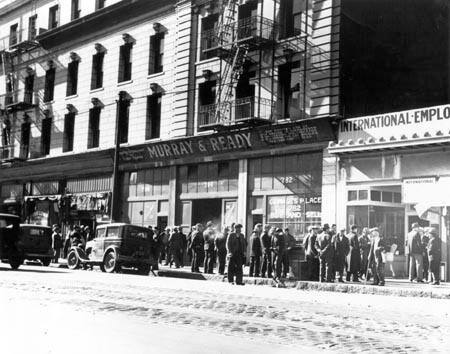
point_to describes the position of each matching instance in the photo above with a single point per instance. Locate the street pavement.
(50, 310)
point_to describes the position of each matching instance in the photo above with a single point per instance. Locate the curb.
(435, 293)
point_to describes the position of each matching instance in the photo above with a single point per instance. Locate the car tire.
(46, 261)
(15, 260)
(110, 262)
(72, 260)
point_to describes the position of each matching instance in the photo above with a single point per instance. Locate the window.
(207, 93)
(289, 90)
(53, 17)
(13, 39)
(94, 128)
(363, 194)
(125, 62)
(49, 84)
(375, 196)
(97, 70)
(28, 92)
(25, 131)
(75, 10)
(46, 135)
(209, 37)
(72, 78)
(69, 124)
(32, 32)
(352, 195)
(156, 53)
(99, 4)
(153, 124)
(291, 17)
(123, 110)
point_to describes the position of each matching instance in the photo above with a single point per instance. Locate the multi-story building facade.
(221, 110)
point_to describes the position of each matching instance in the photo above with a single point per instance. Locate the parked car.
(114, 246)
(9, 237)
(35, 243)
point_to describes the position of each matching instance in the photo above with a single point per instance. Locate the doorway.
(204, 210)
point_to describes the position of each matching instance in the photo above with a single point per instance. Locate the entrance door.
(229, 211)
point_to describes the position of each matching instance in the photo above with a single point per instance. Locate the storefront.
(265, 174)
(393, 171)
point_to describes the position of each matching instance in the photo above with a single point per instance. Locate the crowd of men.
(330, 254)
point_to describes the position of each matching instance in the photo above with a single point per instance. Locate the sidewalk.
(393, 287)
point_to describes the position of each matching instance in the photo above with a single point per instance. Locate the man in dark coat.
(434, 255)
(197, 245)
(341, 249)
(326, 254)
(413, 248)
(220, 246)
(290, 244)
(424, 239)
(364, 247)
(255, 251)
(278, 245)
(208, 237)
(57, 243)
(354, 256)
(183, 249)
(376, 261)
(311, 253)
(266, 253)
(175, 245)
(235, 253)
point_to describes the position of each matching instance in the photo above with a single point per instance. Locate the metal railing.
(255, 27)
(9, 152)
(22, 96)
(236, 111)
(26, 36)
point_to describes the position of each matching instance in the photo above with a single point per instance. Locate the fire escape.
(235, 40)
(12, 50)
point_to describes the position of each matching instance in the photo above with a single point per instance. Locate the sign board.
(259, 138)
(400, 125)
(431, 191)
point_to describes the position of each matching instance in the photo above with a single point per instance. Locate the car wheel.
(46, 262)
(15, 260)
(110, 262)
(72, 260)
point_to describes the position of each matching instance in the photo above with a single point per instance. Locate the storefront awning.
(43, 197)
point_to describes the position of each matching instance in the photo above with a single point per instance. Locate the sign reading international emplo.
(398, 126)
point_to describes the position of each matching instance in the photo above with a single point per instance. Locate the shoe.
(420, 281)
(374, 284)
(381, 284)
(341, 281)
(356, 281)
(240, 284)
(436, 283)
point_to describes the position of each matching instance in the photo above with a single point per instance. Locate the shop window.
(99, 4)
(46, 134)
(125, 64)
(223, 172)
(192, 175)
(132, 184)
(97, 70)
(209, 36)
(140, 183)
(203, 178)
(375, 196)
(397, 197)
(32, 31)
(363, 194)
(53, 17)
(257, 203)
(212, 177)
(387, 197)
(49, 87)
(352, 195)
(72, 78)
(153, 121)
(94, 128)
(165, 178)
(75, 13)
(156, 56)
(69, 124)
(13, 35)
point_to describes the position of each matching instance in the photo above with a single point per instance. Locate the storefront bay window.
(286, 191)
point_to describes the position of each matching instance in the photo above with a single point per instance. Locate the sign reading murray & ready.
(308, 131)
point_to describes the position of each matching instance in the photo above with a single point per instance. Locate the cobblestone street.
(189, 316)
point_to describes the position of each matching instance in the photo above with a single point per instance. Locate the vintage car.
(9, 237)
(115, 246)
(35, 243)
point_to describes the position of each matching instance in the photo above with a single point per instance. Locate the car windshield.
(137, 232)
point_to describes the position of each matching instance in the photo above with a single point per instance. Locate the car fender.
(81, 254)
(114, 249)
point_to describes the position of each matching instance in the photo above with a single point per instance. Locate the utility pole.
(121, 102)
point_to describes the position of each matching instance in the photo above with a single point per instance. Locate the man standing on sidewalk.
(312, 260)
(377, 248)
(255, 251)
(413, 248)
(196, 248)
(278, 244)
(354, 257)
(290, 244)
(341, 249)
(221, 248)
(267, 253)
(326, 254)
(235, 254)
(434, 255)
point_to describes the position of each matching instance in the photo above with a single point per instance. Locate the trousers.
(415, 266)
(266, 265)
(235, 269)
(255, 266)
(326, 270)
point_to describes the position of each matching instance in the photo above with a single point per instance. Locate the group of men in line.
(77, 235)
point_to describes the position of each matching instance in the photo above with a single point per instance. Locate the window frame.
(69, 132)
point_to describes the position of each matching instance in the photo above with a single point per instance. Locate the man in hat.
(290, 245)
(325, 249)
(57, 243)
(235, 253)
(434, 255)
(311, 253)
(413, 248)
(220, 248)
(278, 245)
(208, 242)
(197, 245)
(364, 246)
(175, 245)
(354, 256)
(255, 251)
(341, 249)
(377, 248)
(266, 253)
